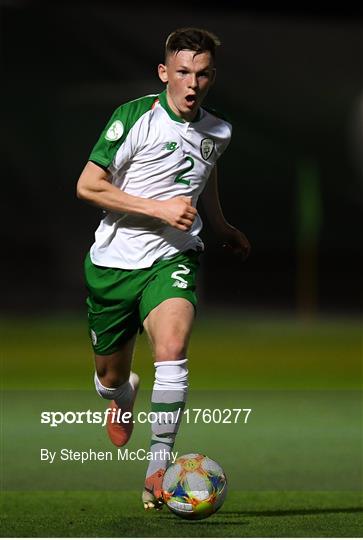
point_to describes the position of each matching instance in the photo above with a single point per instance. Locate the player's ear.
(163, 73)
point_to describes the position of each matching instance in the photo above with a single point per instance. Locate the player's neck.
(184, 116)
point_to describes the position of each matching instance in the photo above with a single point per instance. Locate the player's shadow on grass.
(297, 512)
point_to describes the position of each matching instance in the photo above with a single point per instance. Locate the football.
(194, 487)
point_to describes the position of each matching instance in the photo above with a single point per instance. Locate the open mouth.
(191, 99)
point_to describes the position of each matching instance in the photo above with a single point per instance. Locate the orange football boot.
(152, 496)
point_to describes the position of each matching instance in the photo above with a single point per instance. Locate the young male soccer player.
(155, 157)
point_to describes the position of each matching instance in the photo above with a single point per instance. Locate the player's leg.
(114, 369)
(169, 327)
(113, 325)
(115, 381)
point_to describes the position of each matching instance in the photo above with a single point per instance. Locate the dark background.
(292, 84)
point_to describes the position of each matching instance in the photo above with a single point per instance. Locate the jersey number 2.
(180, 179)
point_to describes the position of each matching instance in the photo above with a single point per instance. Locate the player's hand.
(177, 212)
(237, 242)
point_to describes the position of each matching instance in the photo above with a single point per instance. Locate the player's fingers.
(190, 215)
(182, 227)
(189, 202)
(187, 219)
(189, 209)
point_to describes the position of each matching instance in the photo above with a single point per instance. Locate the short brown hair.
(191, 39)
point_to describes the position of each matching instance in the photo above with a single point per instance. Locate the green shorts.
(119, 300)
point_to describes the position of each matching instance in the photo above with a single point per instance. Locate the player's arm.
(94, 186)
(229, 235)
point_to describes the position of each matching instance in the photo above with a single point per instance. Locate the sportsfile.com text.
(191, 416)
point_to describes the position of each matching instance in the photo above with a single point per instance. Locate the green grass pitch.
(245, 514)
(295, 469)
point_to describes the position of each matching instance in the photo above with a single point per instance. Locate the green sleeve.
(117, 129)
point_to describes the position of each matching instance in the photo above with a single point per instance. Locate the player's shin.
(167, 404)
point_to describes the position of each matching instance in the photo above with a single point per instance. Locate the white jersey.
(152, 153)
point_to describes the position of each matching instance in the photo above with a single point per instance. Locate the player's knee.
(110, 378)
(172, 349)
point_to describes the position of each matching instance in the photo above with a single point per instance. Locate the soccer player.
(155, 157)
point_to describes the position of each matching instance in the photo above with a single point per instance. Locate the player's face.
(188, 76)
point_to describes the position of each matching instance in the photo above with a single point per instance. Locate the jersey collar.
(164, 103)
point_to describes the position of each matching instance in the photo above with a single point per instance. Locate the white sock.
(171, 375)
(169, 395)
(122, 394)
